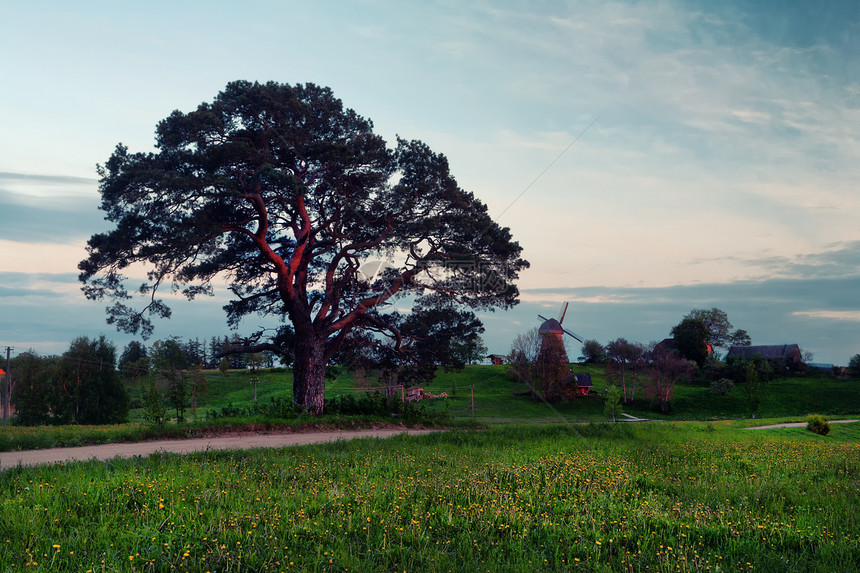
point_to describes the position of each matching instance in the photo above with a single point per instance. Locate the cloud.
(48, 208)
(849, 315)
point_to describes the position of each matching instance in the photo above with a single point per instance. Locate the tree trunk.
(309, 374)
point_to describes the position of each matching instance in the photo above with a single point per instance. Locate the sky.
(650, 157)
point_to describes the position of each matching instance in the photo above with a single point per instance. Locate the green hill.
(485, 394)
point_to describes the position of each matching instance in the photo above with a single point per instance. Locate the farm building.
(790, 353)
(583, 382)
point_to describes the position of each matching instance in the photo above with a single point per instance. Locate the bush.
(721, 387)
(819, 425)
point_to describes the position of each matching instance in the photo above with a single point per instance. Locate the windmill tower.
(553, 328)
(552, 358)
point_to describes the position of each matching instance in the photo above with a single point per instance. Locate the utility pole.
(6, 393)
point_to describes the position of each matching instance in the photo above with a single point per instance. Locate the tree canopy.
(284, 193)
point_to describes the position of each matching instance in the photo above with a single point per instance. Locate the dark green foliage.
(752, 388)
(286, 193)
(153, 403)
(434, 334)
(818, 425)
(593, 352)
(719, 329)
(35, 392)
(374, 404)
(854, 366)
(625, 364)
(613, 407)
(721, 387)
(134, 361)
(89, 390)
(691, 339)
(170, 363)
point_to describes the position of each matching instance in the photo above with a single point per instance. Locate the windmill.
(553, 327)
(552, 357)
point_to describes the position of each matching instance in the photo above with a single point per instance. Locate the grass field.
(494, 401)
(544, 488)
(637, 497)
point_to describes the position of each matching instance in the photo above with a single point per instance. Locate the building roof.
(551, 326)
(583, 379)
(772, 351)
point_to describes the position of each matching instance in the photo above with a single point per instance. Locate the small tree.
(818, 425)
(199, 387)
(171, 362)
(625, 364)
(593, 352)
(154, 411)
(854, 366)
(667, 369)
(753, 385)
(613, 407)
(522, 360)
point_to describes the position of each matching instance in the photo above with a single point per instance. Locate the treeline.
(85, 385)
(82, 386)
(215, 353)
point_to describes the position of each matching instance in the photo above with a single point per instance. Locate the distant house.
(790, 353)
(497, 359)
(583, 382)
(414, 394)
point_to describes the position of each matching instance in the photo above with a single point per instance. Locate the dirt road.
(797, 425)
(232, 442)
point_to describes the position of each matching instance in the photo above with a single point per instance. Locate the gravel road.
(232, 442)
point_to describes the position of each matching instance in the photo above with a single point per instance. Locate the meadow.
(518, 485)
(478, 395)
(595, 497)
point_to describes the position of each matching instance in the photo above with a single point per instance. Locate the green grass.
(660, 497)
(487, 387)
(791, 396)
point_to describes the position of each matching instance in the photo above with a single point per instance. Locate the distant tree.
(91, 391)
(719, 329)
(224, 366)
(199, 386)
(522, 360)
(625, 363)
(613, 407)
(753, 388)
(472, 350)
(154, 411)
(737, 368)
(435, 334)
(593, 352)
(133, 361)
(35, 389)
(740, 338)
(170, 362)
(691, 339)
(854, 366)
(667, 369)
(284, 192)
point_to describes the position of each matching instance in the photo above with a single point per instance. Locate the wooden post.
(472, 392)
(7, 385)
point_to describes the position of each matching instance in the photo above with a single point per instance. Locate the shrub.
(721, 387)
(819, 425)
